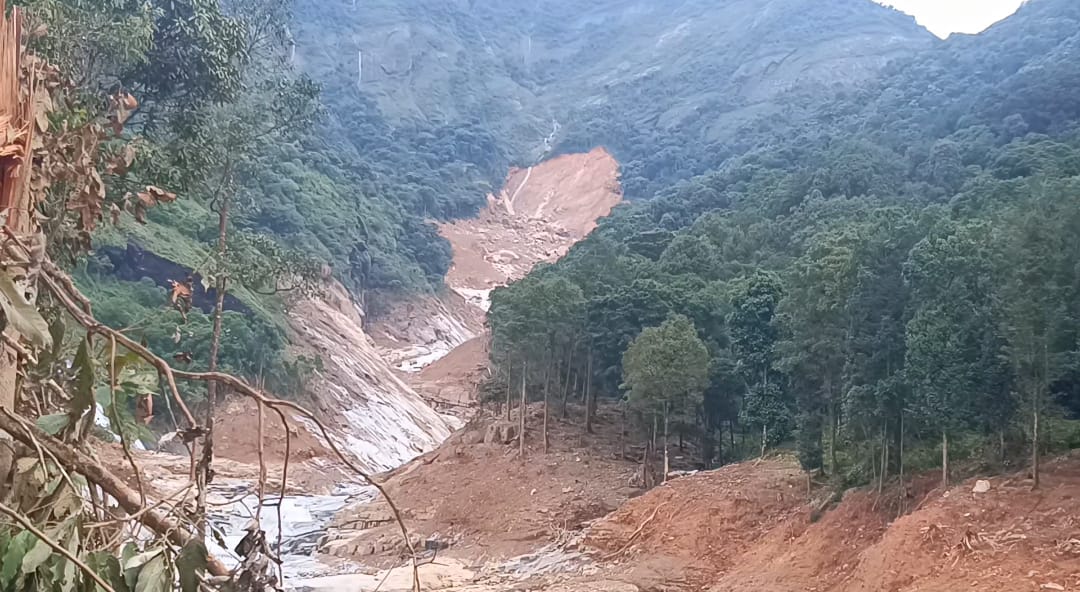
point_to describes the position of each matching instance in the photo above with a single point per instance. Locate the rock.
(981, 486)
(435, 544)
(1052, 586)
(472, 437)
(503, 432)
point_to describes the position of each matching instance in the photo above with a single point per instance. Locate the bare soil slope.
(452, 380)
(487, 502)
(697, 526)
(750, 527)
(1007, 539)
(539, 214)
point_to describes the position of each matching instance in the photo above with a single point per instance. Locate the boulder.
(981, 486)
(503, 432)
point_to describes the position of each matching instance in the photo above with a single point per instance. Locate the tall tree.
(665, 372)
(1038, 276)
(754, 337)
(954, 340)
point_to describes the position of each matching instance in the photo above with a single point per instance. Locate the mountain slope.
(553, 75)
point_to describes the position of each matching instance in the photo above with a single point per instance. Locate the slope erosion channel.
(392, 388)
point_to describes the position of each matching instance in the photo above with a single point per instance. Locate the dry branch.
(55, 546)
(635, 534)
(69, 296)
(128, 499)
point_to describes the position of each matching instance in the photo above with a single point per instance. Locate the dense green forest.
(894, 275)
(413, 111)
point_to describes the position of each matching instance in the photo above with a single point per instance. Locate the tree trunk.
(521, 412)
(944, 459)
(833, 434)
(547, 391)
(884, 459)
(566, 383)
(667, 462)
(720, 446)
(544, 429)
(16, 204)
(589, 395)
(764, 438)
(1035, 446)
(900, 456)
(207, 456)
(646, 462)
(622, 432)
(509, 384)
(572, 390)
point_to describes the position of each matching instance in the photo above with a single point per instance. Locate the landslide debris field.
(575, 519)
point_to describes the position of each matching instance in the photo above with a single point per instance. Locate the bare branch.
(90, 468)
(17, 517)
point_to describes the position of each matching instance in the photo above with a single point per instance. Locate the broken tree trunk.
(17, 115)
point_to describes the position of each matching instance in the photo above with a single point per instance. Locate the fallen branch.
(242, 387)
(69, 296)
(635, 534)
(17, 517)
(127, 498)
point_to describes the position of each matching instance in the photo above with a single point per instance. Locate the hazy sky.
(956, 16)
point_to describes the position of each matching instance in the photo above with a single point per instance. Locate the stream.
(304, 519)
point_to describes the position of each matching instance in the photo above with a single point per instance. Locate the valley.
(466, 296)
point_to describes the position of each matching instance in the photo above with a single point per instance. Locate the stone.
(472, 437)
(503, 432)
(981, 486)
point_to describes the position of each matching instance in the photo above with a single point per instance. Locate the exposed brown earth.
(539, 214)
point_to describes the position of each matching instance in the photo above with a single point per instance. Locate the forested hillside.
(671, 90)
(892, 276)
(415, 109)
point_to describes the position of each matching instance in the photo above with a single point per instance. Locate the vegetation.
(884, 279)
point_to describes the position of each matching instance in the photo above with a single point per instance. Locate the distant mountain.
(614, 72)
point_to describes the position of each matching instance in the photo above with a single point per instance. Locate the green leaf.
(83, 397)
(191, 564)
(38, 554)
(107, 566)
(127, 554)
(11, 563)
(133, 564)
(21, 315)
(63, 573)
(53, 424)
(103, 396)
(114, 574)
(154, 576)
